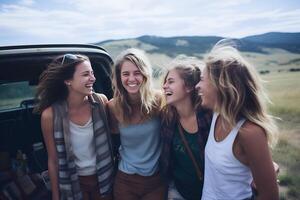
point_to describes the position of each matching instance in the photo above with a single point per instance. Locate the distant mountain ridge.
(193, 45)
(275, 37)
(286, 41)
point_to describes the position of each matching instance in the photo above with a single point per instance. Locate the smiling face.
(131, 78)
(207, 91)
(83, 79)
(174, 88)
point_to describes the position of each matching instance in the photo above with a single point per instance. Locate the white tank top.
(83, 147)
(225, 177)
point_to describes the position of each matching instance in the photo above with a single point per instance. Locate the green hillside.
(269, 56)
(287, 41)
(191, 45)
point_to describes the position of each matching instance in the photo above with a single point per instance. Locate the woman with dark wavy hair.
(75, 130)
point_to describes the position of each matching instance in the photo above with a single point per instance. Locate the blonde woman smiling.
(134, 114)
(237, 149)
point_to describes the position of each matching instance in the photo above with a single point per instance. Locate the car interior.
(20, 130)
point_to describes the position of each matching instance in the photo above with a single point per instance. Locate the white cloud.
(91, 20)
(26, 2)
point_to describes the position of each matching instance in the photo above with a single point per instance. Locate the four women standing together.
(163, 151)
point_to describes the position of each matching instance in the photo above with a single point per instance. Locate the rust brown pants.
(137, 187)
(89, 188)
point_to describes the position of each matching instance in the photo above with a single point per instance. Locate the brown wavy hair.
(52, 87)
(189, 70)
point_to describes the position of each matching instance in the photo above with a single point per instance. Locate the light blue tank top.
(140, 147)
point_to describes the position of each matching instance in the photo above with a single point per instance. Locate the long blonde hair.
(150, 100)
(239, 89)
(189, 70)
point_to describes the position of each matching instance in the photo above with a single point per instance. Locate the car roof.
(42, 48)
(26, 62)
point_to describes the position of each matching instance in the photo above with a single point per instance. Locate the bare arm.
(254, 143)
(277, 170)
(48, 134)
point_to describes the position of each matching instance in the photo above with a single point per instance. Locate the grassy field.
(284, 91)
(273, 60)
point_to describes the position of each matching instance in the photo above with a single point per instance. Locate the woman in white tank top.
(237, 149)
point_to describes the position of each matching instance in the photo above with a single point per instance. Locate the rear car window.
(12, 94)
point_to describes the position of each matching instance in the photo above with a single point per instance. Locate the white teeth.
(132, 85)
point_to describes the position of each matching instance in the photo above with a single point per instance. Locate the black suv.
(20, 132)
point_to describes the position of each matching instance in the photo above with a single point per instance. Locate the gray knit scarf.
(69, 187)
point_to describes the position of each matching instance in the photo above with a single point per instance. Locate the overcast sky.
(89, 21)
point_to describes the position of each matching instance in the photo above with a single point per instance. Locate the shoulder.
(113, 117)
(47, 121)
(47, 114)
(102, 97)
(251, 134)
(111, 103)
(250, 129)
